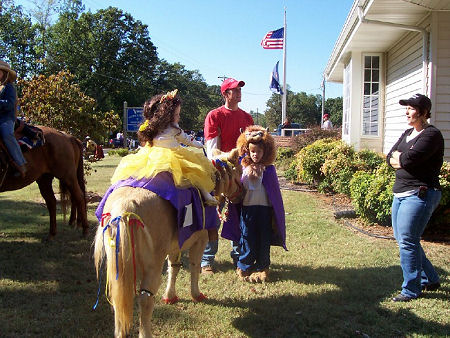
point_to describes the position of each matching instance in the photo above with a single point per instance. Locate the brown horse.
(62, 157)
(156, 240)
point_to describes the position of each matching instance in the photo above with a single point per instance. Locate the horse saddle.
(27, 135)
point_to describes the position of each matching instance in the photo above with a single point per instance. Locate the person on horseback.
(8, 106)
(163, 138)
(90, 147)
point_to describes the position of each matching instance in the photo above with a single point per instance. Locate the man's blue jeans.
(410, 216)
(7, 135)
(211, 250)
(209, 254)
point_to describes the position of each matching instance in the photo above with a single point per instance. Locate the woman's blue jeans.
(410, 216)
(7, 135)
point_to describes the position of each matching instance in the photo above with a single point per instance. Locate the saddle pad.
(192, 215)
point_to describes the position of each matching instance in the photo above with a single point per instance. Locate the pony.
(154, 240)
(61, 156)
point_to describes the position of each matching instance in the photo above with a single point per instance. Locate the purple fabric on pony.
(231, 229)
(162, 185)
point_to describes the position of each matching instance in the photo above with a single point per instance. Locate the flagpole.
(283, 102)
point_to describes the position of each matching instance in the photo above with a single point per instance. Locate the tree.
(110, 54)
(258, 118)
(57, 102)
(300, 108)
(17, 39)
(333, 107)
(198, 97)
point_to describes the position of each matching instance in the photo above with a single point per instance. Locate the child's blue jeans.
(256, 230)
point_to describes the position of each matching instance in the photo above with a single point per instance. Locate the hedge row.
(335, 167)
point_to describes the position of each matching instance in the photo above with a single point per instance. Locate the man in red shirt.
(223, 126)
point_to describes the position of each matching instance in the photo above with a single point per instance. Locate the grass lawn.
(331, 283)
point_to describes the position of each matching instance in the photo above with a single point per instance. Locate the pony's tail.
(65, 197)
(119, 277)
(80, 169)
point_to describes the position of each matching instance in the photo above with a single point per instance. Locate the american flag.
(273, 39)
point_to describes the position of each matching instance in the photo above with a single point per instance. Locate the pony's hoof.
(200, 298)
(170, 301)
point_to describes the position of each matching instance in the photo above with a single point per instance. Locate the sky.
(222, 38)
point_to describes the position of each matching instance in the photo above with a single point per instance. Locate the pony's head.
(228, 176)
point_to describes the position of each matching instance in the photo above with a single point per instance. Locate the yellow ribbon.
(143, 126)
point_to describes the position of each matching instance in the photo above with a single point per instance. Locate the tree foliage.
(198, 97)
(301, 108)
(334, 107)
(57, 102)
(17, 39)
(109, 52)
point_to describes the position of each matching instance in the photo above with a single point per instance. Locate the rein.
(236, 193)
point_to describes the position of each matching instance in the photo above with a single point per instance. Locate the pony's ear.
(233, 156)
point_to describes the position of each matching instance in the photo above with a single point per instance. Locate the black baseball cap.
(417, 100)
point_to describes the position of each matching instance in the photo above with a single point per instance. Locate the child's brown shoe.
(264, 275)
(242, 274)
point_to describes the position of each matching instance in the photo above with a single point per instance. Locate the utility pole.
(257, 117)
(323, 99)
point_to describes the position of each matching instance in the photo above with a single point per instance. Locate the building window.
(371, 95)
(347, 99)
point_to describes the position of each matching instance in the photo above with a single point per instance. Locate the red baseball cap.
(230, 83)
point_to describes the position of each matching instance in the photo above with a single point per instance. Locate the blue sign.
(135, 117)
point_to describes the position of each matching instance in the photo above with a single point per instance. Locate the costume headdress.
(169, 96)
(256, 135)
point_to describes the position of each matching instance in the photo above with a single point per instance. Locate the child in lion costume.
(261, 215)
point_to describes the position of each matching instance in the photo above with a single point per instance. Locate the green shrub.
(284, 153)
(444, 180)
(442, 212)
(371, 194)
(369, 160)
(291, 172)
(312, 157)
(119, 152)
(285, 156)
(338, 169)
(359, 188)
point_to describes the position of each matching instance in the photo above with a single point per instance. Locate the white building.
(389, 50)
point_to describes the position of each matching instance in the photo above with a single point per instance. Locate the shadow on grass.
(31, 219)
(47, 288)
(55, 287)
(349, 302)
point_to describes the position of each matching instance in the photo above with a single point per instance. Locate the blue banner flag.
(275, 81)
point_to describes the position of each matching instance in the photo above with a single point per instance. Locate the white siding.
(403, 79)
(441, 109)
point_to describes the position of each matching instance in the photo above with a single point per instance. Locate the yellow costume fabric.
(187, 167)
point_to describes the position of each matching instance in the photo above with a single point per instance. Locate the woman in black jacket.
(417, 158)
